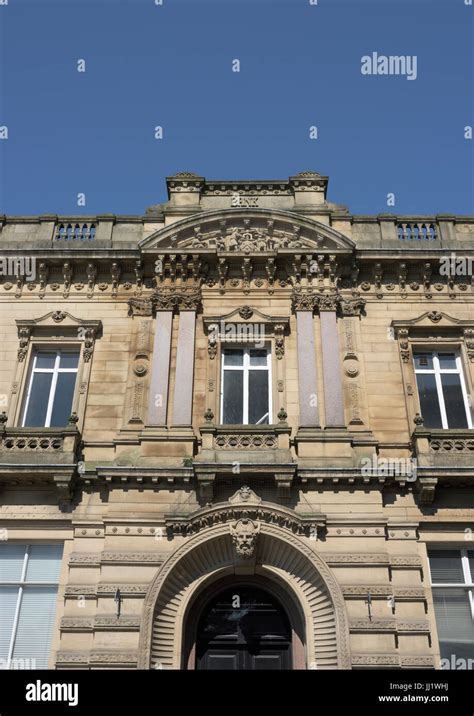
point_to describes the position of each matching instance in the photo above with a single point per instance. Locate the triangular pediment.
(243, 231)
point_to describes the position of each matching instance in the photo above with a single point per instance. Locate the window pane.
(69, 360)
(233, 357)
(429, 403)
(454, 623)
(45, 360)
(447, 361)
(446, 567)
(8, 600)
(258, 396)
(453, 400)
(11, 562)
(233, 397)
(38, 402)
(35, 625)
(62, 404)
(44, 563)
(258, 357)
(423, 361)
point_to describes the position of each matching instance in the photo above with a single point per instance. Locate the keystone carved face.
(244, 534)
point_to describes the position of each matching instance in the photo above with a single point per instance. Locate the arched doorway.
(243, 627)
(286, 566)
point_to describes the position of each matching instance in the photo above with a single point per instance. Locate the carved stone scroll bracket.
(283, 484)
(426, 489)
(205, 481)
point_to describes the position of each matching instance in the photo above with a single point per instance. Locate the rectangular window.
(442, 390)
(246, 386)
(452, 579)
(50, 393)
(29, 576)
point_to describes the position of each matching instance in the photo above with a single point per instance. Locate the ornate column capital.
(170, 299)
(307, 300)
(177, 300)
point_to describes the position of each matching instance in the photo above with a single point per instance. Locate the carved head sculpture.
(244, 534)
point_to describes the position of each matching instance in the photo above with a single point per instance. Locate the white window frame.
(467, 584)
(21, 584)
(245, 368)
(437, 371)
(56, 370)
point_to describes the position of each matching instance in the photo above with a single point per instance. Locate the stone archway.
(210, 555)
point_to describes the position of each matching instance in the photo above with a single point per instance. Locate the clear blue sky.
(171, 65)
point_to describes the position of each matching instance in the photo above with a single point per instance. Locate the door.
(244, 628)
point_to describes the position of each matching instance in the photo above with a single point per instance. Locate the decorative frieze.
(383, 591)
(95, 559)
(379, 559)
(74, 591)
(418, 626)
(376, 660)
(126, 659)
(100, 623)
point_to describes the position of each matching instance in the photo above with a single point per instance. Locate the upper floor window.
(246, 386)
(29, 576)
(452, 579)
(442, 390)
(50, 392)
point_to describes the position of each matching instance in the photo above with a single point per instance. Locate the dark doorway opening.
(244, 628)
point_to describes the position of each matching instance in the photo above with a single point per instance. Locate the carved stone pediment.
(53, 319)
(54, 323)
(434, 326)
(431, 319)
(246, 232)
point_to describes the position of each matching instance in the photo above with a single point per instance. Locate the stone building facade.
(237, 433)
